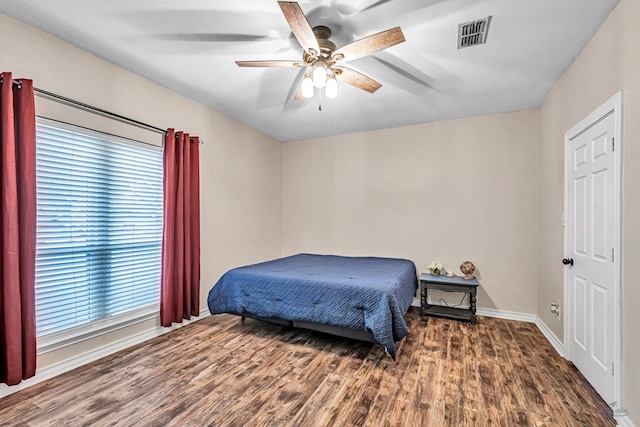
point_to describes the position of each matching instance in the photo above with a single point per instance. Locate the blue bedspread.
(364, 293)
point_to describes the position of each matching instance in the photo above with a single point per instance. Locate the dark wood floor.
(220, 371)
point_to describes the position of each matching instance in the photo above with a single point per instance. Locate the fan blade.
(211, 37)
(357, 79)
(349, 8)
(295, 92)
(368, 45)
(299, 25)
(376, 4)
(272, 63)
(404, 68)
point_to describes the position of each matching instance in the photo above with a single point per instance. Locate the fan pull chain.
(320, 100)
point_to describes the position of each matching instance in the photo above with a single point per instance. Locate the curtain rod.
(88, 107)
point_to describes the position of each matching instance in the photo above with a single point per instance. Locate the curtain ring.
(15, 82)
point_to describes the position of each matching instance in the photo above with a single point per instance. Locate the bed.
(358, 297)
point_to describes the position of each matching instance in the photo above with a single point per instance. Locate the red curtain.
(180, 289)
(18, 230)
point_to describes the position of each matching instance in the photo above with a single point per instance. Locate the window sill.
(57, 340)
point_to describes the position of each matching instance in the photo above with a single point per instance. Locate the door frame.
(612, 106)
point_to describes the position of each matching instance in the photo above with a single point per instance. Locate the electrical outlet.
(555, 309)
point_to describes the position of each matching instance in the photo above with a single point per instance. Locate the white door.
(591, 244)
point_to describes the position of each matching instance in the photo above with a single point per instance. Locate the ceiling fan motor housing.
(327, 47)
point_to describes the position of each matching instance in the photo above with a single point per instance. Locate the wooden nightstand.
(448, 284)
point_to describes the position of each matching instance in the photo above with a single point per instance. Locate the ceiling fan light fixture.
(331, 89)
(306, 90)
(320, 55)
(319, 74)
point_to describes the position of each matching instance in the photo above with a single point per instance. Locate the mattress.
(359, 293)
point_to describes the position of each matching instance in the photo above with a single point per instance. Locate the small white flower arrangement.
(436, 268)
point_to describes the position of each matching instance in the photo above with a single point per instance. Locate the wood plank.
(225, 372)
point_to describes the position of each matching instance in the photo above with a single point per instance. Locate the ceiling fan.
(323, 59)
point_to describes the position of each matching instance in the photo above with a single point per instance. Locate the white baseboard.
(624, 421)
(551, 337)
(621, 416)
(521, 317)
(500, 314)
(95, 354)
(509, 315)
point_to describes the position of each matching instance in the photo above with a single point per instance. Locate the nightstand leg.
(474, 319)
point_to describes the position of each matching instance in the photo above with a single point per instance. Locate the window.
(99, 227)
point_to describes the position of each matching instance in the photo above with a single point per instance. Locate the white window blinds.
(99, 226)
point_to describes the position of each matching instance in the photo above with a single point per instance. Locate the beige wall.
(240, 167)
(488, 189)
(610, 63)
(448, 191)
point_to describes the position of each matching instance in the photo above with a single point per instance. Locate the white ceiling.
(190, 46)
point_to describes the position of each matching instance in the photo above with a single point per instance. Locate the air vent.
(473, 33)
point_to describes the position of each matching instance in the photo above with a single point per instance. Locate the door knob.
(567, 261)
